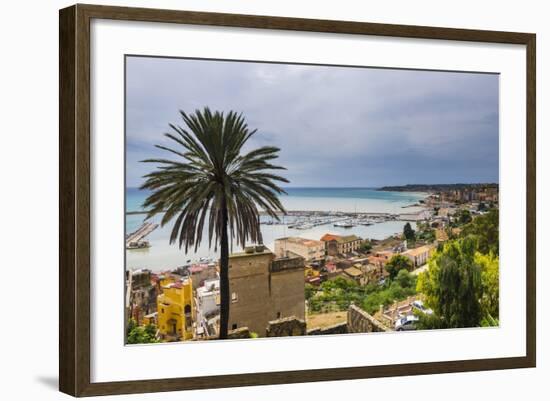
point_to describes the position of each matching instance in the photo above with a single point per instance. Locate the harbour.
(310, 213)
(136, 239)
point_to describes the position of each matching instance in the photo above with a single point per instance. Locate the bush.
(405, 279)
(140, 334)
(397, 263)
(309, 291)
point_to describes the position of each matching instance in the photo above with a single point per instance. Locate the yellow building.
(175, 309)
(310, 272)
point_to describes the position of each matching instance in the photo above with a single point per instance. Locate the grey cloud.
(336, 126)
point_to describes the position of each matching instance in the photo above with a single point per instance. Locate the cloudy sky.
(336, 126)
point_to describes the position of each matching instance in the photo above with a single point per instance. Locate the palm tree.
(214, 180)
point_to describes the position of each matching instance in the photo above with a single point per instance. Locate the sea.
(162, 255)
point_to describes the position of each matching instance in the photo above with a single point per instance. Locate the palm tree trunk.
(224, 275)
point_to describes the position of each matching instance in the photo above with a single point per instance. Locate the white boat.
(344, 224)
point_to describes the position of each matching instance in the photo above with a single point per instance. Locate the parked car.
(406, 323)
(419, 306)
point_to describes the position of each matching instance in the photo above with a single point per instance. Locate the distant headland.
(437, 187)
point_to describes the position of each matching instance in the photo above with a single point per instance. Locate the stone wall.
(286, 294)
(360, 321)
(338, 328)
(285, 327)
(239, 333)
(250, 294)
(264, 289)
(287, 263)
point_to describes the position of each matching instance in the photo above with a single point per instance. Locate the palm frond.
(211, 172)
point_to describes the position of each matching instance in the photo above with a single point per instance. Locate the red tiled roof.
(329, 237)
(197, 268)
(331, 268)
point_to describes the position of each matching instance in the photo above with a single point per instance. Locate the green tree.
(309, 291)
(387, 295)
(427, 235)
(366, 246)
(397, 263)
(453, 285)
(408, 232)
(140, 334)
(490, 282)
(464, 216)
(214, 182)
(485, 229)
(405, 279)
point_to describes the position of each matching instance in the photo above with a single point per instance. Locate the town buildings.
(419, 256)
(380, 258)
(340, 245)
(141, 295)
(202, 272)
(265, 287)
(208, 308)
(356, 274)
(208, 298)
(310, 250)
(175, 308)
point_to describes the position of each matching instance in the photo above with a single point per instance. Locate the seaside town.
(334, 284)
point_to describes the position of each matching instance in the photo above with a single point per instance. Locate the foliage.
(427, 235)
(408, 232)
(213, 182)
(405, 279)
(210, 175)
(490, 282)
(453, 285)
(388, 294)
(338, 294)
(429, 322)
(397, 263)
(485, 229)
(425, 231)
(309, 291)
(464, 217)
(366, 246)
(140, 334)
(489, 321)
(335, 294)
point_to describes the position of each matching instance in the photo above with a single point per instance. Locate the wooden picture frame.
(74, 199)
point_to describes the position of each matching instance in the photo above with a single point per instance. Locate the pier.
(136, 240)
(303, 220)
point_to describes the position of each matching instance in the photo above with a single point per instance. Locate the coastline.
(389, 212)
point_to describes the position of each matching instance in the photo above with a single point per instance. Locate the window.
(278, 315)
(234, 326)
(234, 297)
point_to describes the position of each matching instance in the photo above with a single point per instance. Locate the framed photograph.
(249, 200)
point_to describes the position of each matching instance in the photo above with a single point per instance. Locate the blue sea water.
(162, 255)
(333, 199)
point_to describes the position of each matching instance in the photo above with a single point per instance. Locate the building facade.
(202, 272)
(310, 250)
(140, 295)
(175, 309)
(419, 256)
(264, 287)
(339, 245)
